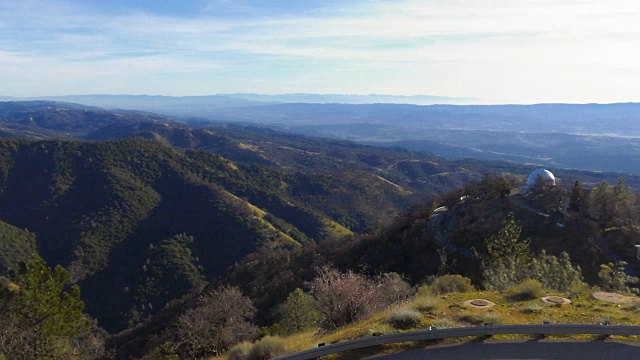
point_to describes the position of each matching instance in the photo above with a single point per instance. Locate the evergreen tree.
(39, 318)
(298, 312)
(577, 200)
(613, 277)
(506, 255)
(506, 244)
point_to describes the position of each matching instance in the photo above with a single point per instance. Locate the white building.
(546, 175)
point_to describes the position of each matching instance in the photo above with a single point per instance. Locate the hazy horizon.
(459, 101)
(494, 50)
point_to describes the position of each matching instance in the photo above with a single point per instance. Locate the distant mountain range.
(602, 137)
(358, 99)
(243, 99)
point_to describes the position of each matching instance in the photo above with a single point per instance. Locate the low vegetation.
(404, 318)
(527, 290)
(451, 284)
(452, 313)
(426, 303)
(263, 349)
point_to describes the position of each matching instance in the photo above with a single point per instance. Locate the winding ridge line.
(545, 329)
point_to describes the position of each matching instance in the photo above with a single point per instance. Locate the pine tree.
(506, 244)
(40, 319)
(298, 312)
(506, 255)
(577, 200)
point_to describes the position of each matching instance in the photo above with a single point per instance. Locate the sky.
(522, 51)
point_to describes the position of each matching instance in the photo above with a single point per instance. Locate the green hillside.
(105, 209)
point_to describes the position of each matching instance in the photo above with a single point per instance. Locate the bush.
(220, 320)
(426, 303)
(445, 323)
(451, 284)
(578, 288)
(527, 290)
(424, 290)
(267, 348)
(394, 289)
(404, 319)
(614, 278)
(342, 298)
(241, 351)
(376, 330)
(481, 319)
(554, 272)
(532, 309)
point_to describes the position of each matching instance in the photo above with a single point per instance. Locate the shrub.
(404, 319)
(267, 348)
(527, 290)
(451, 284)
(554, 272)
(424, 290)
(394, 289)
(445, 323)
(481, 319)
(220, 320)
(634, 306)
(532, 309)
(578, 287)
(614, 278)
(342, 298)
(241, 351)
(426, 303)
(377, 330)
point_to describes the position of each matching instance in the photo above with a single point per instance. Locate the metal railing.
(539, 329)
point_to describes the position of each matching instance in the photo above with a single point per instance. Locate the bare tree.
(342, 298)
(220, 320)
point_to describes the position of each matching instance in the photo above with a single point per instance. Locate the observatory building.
(546, 175)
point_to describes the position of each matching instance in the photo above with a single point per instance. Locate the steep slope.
(112, 212)
(100, 208)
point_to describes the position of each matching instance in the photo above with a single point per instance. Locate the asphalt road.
(531, 349)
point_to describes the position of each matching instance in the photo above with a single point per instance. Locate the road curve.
(530, 349)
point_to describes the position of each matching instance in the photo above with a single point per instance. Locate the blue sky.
(500, 50)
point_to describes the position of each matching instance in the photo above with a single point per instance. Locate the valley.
(167, 211)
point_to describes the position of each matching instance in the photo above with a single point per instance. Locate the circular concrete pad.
(614, 298)
(479, 303)
(557, 300)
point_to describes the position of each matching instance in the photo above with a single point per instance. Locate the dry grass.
(448, 311)
(404, 318)
(426, 303)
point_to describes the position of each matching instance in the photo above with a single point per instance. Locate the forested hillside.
(496, 239)
(137, 213)
(162, 226)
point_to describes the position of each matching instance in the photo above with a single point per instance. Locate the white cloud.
(526, 50)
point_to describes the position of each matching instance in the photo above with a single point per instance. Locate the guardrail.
(538, 329)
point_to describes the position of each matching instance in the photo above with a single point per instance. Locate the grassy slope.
(451, 312)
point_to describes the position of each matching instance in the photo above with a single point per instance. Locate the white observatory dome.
(546, 175)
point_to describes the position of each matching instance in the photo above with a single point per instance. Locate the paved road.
(531, 349)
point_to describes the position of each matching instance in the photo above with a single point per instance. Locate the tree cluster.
(41, 318)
